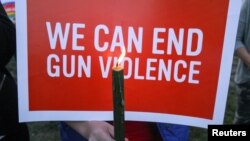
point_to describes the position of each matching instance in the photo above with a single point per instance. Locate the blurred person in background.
(242, 76)
(10, 128)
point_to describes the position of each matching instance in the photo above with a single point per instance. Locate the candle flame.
(122, 55)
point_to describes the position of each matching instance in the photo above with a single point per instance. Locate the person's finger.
(111, 130)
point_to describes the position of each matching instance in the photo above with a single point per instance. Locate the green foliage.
(44, 131)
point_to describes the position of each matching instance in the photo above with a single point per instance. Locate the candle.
(118, 98)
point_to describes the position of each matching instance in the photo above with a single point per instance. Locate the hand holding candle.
(118, 98)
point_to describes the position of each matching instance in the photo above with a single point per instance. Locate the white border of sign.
(25, 115)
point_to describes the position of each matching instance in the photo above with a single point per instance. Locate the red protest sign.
(173, 63)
